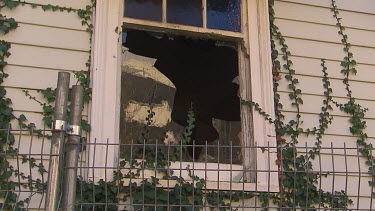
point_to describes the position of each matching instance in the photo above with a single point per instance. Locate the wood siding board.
(352, 186)
(47, 57)
(38, 145)
(337, 143)
(26, 14)
(292, 11)
(332, 51)
(362, 6)
(340, 125)
(44, 36)
(21, 102)
(326, 33)
(312, 67)
(313, 103)
(80, 4)
(25, 77)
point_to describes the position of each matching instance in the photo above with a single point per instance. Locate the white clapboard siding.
(32, 117)
(314, 85)
(35, 145)
(24, 77)
(21, 102)
(81, 4)
(49, 37)
(27, 14)
(340, 125)
(312, 66)
(343, 145)
(352, 182)
(321, 15)
(41, 57)
(331, 51)
(313, 103)
(313, 31)
(364, 6)
(44, 43)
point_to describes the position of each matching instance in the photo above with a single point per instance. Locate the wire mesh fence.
(154, 175)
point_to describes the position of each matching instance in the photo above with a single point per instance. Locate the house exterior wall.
(47, 42)
(44, 43)
(311, 34)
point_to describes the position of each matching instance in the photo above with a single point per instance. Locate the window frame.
(255, 85)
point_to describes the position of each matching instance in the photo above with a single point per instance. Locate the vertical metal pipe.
(57, 141)
(72, 149)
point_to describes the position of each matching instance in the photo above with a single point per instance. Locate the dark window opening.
(174, 75)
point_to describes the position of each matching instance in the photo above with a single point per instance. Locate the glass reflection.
(144, 9)
(185, 12)
(224, 15)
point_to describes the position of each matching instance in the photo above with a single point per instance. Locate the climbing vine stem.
(355, 110)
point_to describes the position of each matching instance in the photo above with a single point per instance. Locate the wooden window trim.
(257, 85)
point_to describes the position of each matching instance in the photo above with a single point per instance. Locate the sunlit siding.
(311, 34)
(44, 43)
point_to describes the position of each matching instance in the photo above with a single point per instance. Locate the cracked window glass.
(224, 15)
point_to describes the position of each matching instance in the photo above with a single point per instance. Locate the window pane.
(224, 15)
(185, 12)
(144, 9)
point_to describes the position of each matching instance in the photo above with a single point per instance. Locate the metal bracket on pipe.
(59, 125)
(74, 130)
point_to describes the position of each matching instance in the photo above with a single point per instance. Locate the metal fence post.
(72, 149)
(57, 142)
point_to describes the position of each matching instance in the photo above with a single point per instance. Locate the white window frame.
(256, 84)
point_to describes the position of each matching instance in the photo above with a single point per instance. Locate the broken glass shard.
(144, 9)
(224, 15)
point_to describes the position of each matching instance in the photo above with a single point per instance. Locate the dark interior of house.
(202, 72)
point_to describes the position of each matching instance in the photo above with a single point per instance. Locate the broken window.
(170, 75)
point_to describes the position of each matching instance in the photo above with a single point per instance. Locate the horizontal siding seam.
(51, 26)
(332, 60)
(44, 68)
(314, 113)
(318, 6)
(335, 96)
(323, 24)
(50, 47)
(329, 77)
(38, 112)
(323, 41)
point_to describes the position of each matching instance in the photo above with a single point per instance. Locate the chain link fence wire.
(150, 176)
